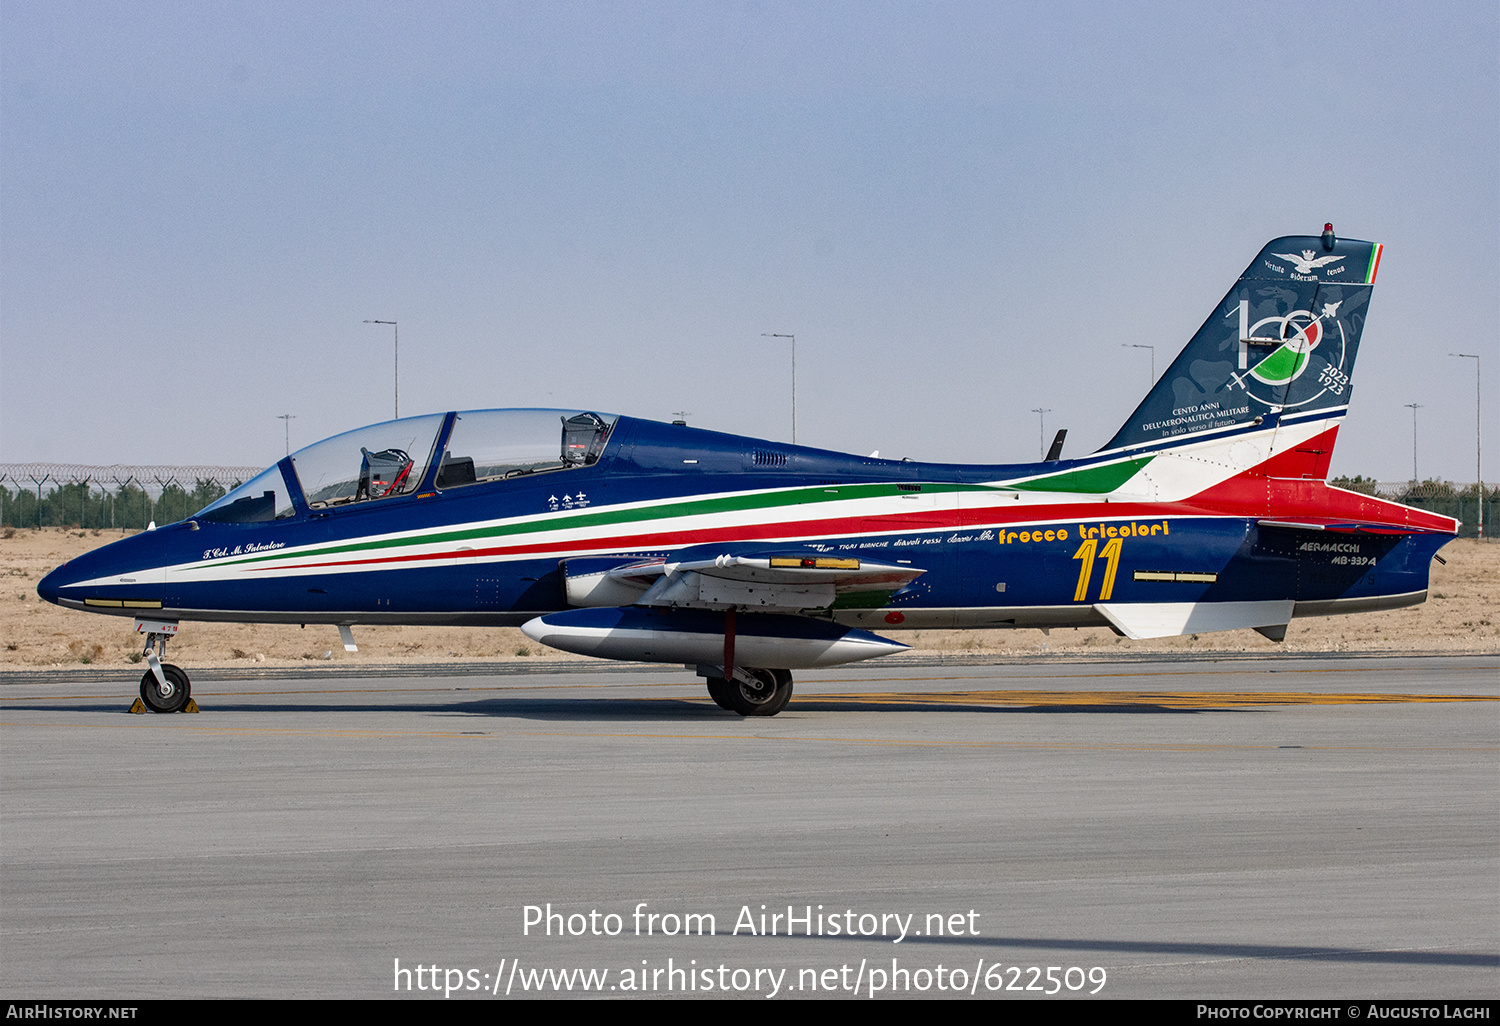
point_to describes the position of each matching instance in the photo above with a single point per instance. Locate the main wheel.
(766, 697)
(720, 690)
(174, 698)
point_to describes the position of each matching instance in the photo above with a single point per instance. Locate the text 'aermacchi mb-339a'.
(744, 559)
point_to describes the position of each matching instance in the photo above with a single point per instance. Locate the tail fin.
(1279, 349)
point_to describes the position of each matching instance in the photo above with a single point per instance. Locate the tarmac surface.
(1236, 829)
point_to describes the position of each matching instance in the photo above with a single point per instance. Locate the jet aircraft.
(746, 559)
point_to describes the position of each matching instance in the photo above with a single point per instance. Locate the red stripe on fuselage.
(935, 520)
(1270, 487)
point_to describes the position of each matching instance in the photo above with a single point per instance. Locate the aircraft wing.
(771, 582)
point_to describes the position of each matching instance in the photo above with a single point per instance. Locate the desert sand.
(1459, 617)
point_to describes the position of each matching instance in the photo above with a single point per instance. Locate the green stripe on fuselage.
(1093, 480)
(576, 521)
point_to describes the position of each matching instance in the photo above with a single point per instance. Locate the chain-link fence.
(130, 496)
(1460, 501)
(118, 496)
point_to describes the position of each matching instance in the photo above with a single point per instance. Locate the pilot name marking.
(241, 550)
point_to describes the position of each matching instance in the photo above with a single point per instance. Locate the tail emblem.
(1308, 262)
(1292, 339)
(1282, 340)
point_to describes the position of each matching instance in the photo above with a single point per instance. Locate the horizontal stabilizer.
(1340, 526)
(1140, 620)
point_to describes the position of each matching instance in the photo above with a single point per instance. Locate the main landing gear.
(741, 689)
(165, 688)
(752, 692)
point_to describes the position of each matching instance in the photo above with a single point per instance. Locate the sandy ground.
(1461, 616)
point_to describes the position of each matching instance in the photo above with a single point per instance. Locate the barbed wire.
(1412, 489)
(147, 476)
(165, 474)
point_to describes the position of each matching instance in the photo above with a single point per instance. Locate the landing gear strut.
(743, 690)
(165, 688)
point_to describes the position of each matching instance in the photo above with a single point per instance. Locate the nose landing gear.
(165, 688)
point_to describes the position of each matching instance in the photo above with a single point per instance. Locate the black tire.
(767, 697)
(176, 699)
(720, 691)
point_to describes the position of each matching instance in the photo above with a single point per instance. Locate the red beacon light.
(1328, 237)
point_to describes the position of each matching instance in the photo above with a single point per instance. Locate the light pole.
(1478, 460)
(1041, 432)
(287, 419)
(1414, 407)
(1132, 345)
(767, 334)
(397, 332)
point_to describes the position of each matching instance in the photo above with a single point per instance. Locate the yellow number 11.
(1086, 552)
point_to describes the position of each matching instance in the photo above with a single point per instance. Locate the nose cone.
(66, 585)
(111, 579)
(51, 586)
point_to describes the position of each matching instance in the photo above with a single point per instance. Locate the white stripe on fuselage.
(1173, 475)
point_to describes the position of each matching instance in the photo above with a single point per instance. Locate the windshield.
(264, 497)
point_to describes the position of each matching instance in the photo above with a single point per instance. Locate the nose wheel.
(168, 695)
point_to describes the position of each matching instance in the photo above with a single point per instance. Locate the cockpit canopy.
(387, 460)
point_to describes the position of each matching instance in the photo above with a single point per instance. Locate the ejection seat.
(382, 473)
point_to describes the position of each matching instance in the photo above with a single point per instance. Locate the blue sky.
(963, 211)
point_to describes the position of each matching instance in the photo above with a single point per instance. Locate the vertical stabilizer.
(1279, 348)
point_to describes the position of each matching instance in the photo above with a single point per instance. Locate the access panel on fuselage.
(1347, 564)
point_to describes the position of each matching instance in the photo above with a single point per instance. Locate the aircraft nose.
(50, 587)
(113, 577)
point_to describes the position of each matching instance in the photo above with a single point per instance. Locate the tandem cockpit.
(412, 456)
